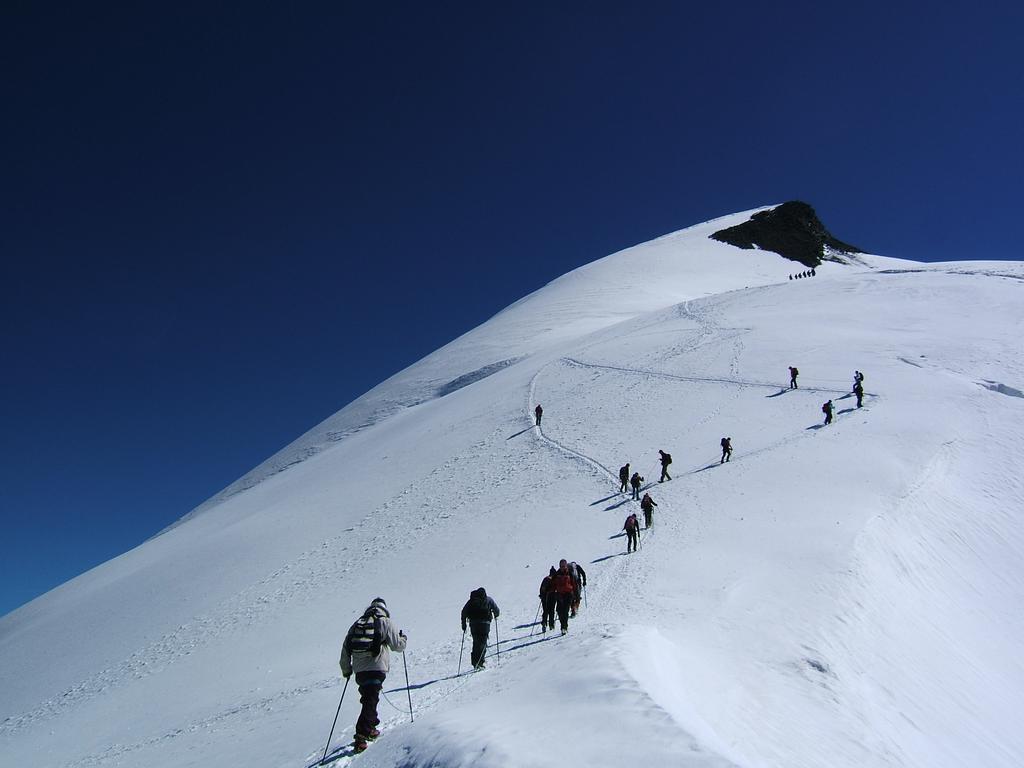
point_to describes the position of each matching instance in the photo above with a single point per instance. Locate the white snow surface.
(848, 595)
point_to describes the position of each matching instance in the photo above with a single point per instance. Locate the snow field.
(837, 596)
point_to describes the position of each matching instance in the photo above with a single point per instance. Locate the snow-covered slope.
(847, 595)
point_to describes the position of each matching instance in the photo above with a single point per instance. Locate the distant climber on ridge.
(548, 600)
(632, 529)
(858, 390)
(666, 459)
(538, 412)
(827, 410)
(635, 482)
(579, 581)
(564, 590)
(624, 478)
(478, 611)
(793, 373)
(647, 504)
(726, 449)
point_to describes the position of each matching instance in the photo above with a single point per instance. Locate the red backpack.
(563, 583)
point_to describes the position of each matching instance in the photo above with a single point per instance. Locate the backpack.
(563, 583)
(667, 459)
(794, 372)
(478, 608)
(365, 636)
(826, 408)
(632, 523)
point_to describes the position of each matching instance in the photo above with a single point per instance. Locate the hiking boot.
(358, 745)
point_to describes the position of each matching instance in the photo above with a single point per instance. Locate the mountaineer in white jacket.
(366, 651)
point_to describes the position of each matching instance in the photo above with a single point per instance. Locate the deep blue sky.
(221, 223)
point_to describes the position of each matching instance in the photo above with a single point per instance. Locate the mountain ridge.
(831, 596)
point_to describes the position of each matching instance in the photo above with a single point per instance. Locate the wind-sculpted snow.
(844, 595)
(474, 376)
(1002, 389)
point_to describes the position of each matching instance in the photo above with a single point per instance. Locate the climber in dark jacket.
(478, 611)
(548, 599)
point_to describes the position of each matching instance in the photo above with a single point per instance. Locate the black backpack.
(667, 459)
(365, 636)
(478, 608)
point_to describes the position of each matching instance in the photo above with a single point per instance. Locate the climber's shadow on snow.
(607, 557)
(528, 643)
(418, 686)
(521, 638)
(526, 626)
(616, 506)
(712, 465)
(517, 434)
(339, 752)
(816, 426)
(780, 392)
(606, 498)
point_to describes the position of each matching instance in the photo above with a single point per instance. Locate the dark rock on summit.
(792, 230)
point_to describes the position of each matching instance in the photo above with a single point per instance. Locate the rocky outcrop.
(792, 230)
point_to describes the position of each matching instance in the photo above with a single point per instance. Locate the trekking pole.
(407, 691)
(461, 649)
(584, 595)
(534, 627)
(335, 722)
(497, 642)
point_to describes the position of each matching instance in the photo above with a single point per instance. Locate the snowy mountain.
(841, 595)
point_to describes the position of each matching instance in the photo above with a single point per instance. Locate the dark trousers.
(636, 493)
(792, 383)
(664, 473)
(548, 619)
(369, 684)
(564, 604)
(726, 455)
(631, 541)
(648, 517)
(860, 396)
(623, 484)
(480, 630)
(828, 417)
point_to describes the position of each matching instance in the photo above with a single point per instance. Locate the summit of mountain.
(792, 230)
